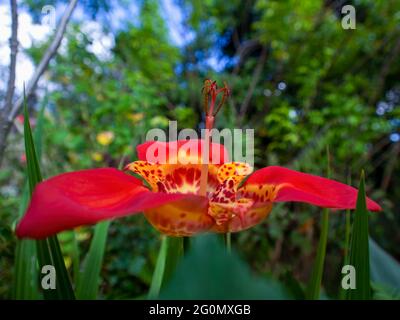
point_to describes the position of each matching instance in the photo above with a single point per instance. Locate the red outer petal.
(86, 197)
(172, 147)
(297, 186)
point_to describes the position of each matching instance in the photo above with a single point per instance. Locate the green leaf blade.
(314, 285)
(359, 248)
(89, 278)
(171, 251)
(25, 268)
(48, 250)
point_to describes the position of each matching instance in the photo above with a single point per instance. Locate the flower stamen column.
(210, 93)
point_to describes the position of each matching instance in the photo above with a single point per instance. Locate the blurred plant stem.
(228, 242)
(171, 251)
(314, 285)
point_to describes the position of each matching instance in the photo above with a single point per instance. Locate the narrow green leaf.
(359, 248)
(171, 251)
(347, 229)
(89, 277)
(48, 250)
(174, 254)
(75, 258)
(342, 292)
(33, 170)
(347, 236)
(347, 232)
(314, 285)
(228, 241)
(25, 270)
(158, 274)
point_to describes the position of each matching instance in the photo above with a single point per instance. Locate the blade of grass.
(314, 285)
(228, 242)
(48, 250)
(347, 229)
(158, 274)
(174, 254)
(342, 292)
(75, 258)
(25, 270)
(359, 248)
(347, 237)
(89, 277)
(171, 251)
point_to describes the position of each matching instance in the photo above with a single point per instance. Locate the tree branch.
(13, 57)
(49, 54)
(254, 81)
(244, 49)
(9, 114)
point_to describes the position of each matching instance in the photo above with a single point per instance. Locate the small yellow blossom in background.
(97, 156)
(99, 97)
(105, 138)
(67, 261)
(136, 117)
(82, 234)
(159, 122)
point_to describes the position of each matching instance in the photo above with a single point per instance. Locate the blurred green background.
(297, 77)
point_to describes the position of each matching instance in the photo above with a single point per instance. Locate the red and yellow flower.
(169, 194)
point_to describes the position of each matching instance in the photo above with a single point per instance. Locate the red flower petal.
(218, 153)
(292, 185)
(86, 197)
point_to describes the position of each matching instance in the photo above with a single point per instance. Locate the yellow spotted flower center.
(231, 207)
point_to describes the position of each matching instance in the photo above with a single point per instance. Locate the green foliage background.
(297, 77)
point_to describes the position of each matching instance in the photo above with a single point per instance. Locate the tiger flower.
(169, 196)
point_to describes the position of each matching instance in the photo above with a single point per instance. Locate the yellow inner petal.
(174, 178)
(152, 173)
(259, 192)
